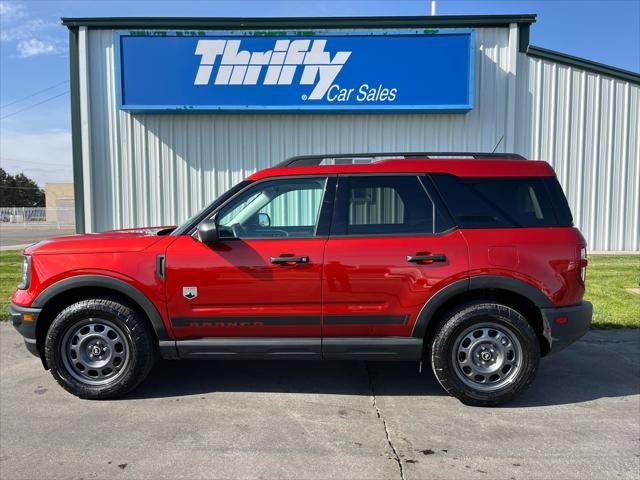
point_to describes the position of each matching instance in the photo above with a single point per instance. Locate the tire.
(99, 349)
(485, 354)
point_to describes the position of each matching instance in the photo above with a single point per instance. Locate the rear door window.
(374, 205)
(506, 202)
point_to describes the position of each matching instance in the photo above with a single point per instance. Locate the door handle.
(436, 257)
(289, 260)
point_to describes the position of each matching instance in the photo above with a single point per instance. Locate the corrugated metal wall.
(587, 126)
(160, 169)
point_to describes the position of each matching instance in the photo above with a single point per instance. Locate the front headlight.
(26, 272)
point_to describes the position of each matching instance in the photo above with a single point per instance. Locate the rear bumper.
(565, 325)
(24, 320)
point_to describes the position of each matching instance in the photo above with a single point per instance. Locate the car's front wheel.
(485, 354)
(99, 349)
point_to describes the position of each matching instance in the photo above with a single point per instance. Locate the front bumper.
(24, 320)
(565, 325)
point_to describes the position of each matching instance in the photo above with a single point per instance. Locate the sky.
(35, 132)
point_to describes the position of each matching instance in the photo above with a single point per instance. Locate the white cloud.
(43, 156)
(11, 11)
(24, 30)
(32, 36)
(33, 47)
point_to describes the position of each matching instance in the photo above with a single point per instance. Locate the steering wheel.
(270, 232)
(239, 231)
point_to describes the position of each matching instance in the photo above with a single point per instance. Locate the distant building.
(60, 203)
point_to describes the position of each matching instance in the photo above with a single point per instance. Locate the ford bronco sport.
(468, 261)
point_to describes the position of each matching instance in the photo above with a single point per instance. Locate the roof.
(300, 23)
(583, 63)
(461, 168)
(252, 23)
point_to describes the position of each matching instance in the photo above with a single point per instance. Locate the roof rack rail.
(313, 160)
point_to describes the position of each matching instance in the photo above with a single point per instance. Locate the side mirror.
(208, 231)
(264, 220)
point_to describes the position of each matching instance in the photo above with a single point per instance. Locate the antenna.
(497, 144)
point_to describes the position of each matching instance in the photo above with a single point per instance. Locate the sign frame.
(295, 34)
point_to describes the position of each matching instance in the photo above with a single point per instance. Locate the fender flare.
(112, 283)
(480, 282)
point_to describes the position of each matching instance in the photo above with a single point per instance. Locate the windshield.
(190, 224)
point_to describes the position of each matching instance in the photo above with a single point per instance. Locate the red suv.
(469, 261)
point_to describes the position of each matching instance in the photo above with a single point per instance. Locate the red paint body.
(372, 276)
(344, 276)
(460, 168)
(236, 278)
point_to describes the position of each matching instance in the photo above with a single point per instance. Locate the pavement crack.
(384, 423)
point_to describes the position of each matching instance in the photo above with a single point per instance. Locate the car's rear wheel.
(99, 349)
(485, 353)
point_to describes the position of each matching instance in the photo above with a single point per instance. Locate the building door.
(262, 279)
(391, 248)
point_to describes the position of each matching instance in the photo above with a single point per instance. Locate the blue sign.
(401, 70)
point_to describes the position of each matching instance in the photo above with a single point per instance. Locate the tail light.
(582, 263)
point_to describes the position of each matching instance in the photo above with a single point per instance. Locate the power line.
(29, 107)
(34, 94)
(36, 162)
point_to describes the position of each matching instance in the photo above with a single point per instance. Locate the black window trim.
(555, 206)
(322, 224)
(190, 228)
(340, 217)
(439, 204)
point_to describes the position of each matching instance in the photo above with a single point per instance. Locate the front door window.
(276, 208)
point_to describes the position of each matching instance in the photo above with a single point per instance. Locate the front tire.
(485, 354)
(99, 349)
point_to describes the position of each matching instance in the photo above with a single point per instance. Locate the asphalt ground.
(19, 236)
(317, 420)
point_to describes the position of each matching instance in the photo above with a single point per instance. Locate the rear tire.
(485, 354)
(99, 349)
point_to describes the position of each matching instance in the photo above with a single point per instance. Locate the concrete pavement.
(312, 420)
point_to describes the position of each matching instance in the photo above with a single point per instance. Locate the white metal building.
(136, 168)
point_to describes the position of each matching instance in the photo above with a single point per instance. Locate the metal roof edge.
(583, 63)
(229, 23)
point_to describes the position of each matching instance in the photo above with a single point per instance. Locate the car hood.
(127, 240)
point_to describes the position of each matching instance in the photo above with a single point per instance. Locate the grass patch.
(10, 275)
(608, 278)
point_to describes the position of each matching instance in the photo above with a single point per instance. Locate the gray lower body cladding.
(565, 325)
(312, 348)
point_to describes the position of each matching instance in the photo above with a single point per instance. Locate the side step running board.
(313, 348)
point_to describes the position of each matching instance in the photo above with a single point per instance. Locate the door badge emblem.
(189, 292)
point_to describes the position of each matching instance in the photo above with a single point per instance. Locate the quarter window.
(504, 202)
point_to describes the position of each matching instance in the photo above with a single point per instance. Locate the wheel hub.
(95, 351)
(487, 356)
